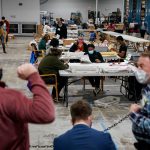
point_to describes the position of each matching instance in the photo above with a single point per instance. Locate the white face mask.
(91, 52)
(141, 76)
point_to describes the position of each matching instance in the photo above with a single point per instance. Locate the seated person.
(79, 46)
(43, 41)
(123, 48)
(104, 42)
(95, 57)
(54, 42)
(92, 36)
(46, 28)
(105, 25)
(82, 136)
(51, 64)
(111, 27)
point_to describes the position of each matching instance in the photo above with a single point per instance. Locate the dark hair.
(61, 19)
(120, 38)
(102, 37)
(91, 45)
(3, 18)
(80, 110)
(55, 51)
(54, 42)
(46, 36)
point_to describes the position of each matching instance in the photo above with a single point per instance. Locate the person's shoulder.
(100, 133)
(11, 94)
(63, 136)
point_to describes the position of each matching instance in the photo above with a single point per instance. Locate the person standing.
(140, 114)
(82, 136)
(17, 110)
(2, 37)
(6, 27)
(61, 29)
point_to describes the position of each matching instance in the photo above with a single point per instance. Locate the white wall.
(63, 8)
(108, 6)
(28, 12)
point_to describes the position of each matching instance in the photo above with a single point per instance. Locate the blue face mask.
(91, 52)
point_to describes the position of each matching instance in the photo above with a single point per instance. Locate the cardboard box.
(68, 41)
(119, 26)
(40, 29)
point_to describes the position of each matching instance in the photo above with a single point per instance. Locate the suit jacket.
(82, 137)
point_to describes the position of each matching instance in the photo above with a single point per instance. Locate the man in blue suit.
(82, 136)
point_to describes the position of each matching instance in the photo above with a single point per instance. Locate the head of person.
(91, 48)
(3, 18)
(56, 52)
(60, 22)
(54, 42)
(80, 40)
(102, 37)
(143, 72)
(46, 37)
(81, 112)
(120, 39)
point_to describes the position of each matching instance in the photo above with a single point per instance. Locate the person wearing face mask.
(82, 136)
(95, 57)
(140, 114)
(51, 64)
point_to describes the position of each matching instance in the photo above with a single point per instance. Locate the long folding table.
(94, 69)
(135, 41)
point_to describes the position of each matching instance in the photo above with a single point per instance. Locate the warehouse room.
(75, 74)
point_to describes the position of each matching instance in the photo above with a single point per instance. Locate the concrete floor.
(43, 135)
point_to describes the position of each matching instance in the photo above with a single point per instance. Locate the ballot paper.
(85, 59)
(85, 69)
(116, 68)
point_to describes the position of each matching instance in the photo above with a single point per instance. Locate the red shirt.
(81, 48)
(16, 111)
